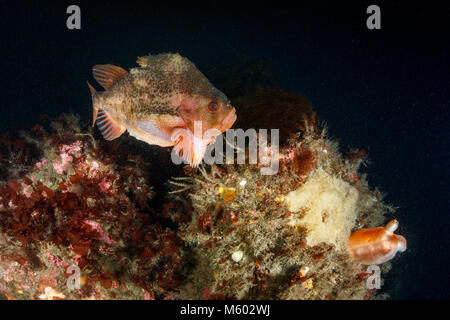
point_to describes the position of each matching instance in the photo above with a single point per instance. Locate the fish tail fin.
(95, 110)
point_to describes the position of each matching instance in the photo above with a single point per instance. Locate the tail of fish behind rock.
(95, 110)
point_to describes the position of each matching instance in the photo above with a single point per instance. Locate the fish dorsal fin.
(109, 126)
(107, 74)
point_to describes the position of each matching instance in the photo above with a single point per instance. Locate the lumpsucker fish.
(166, 101)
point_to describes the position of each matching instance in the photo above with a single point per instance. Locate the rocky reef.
(71, 203)
(279, 236)
(82, 218)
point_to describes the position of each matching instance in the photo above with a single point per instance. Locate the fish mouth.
(229, 120)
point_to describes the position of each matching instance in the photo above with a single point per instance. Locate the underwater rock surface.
(69, 201)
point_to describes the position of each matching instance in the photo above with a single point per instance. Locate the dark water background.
(387, 89)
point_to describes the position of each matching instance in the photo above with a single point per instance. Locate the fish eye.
(213, 106)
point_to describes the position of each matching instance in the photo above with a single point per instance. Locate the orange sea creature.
(376, 245)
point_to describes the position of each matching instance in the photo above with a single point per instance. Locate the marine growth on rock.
(83, 218)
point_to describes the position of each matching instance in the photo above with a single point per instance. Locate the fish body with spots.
(162, 102)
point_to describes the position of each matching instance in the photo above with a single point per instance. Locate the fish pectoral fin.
(109, 126)
(157, 129)
(189, 147)
(151, 133)
(107, 74)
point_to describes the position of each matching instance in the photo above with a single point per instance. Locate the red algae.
(75, 210)
(304, 161)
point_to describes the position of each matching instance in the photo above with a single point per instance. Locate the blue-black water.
(386, 89)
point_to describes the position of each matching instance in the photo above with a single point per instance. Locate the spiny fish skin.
(165, 93)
